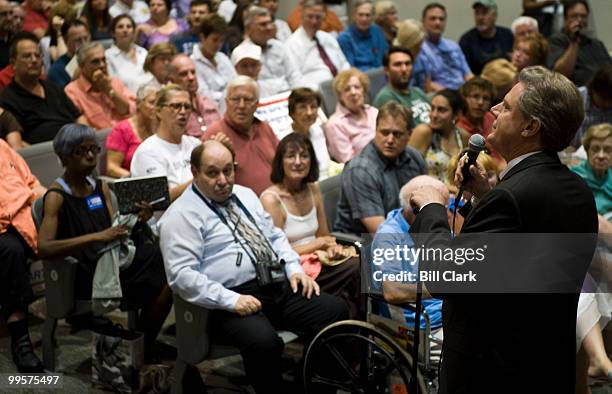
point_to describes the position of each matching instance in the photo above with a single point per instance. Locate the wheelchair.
(372, 356)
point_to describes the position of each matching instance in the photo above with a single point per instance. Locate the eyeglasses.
(176, 107)
(238, 99)
(82, 150)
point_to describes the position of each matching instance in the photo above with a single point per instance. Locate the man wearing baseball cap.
(486, 41)
(246, 59)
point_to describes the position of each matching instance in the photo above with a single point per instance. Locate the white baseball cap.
(246, 50)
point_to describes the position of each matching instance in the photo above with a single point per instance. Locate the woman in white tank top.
(295, 203)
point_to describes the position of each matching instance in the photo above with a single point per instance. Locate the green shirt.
(416, 100)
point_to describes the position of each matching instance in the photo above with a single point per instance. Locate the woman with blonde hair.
(386, 19)
(353, 124)
(502, 74)
(529, 50)
(157, 62)
(410, 35)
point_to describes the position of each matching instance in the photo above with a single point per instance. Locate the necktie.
(325, 58)
(255, 240)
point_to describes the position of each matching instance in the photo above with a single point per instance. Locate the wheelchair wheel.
(356, 357)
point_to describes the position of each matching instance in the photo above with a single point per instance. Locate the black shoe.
(24, 357)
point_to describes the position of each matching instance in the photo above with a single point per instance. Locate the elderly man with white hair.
(253, 140)
(393, 232)
(523, 26)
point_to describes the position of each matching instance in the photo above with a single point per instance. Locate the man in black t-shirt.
(40, 107)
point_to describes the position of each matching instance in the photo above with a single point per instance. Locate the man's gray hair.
(243, 80)
(69, 137)
(415, 183)
(82, 51)
(555, 102)
(523, 20)
(145, 90)
(254, 12)
(312, 3)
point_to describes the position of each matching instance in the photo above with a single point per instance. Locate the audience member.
(75, 34)
(157, 62)
(398, 69)
(441, 63)
(127, 135)
(35, 20)
(214, 69)
(187, 40)
(215, 222)
(502, 74)
(282, 28)
(444, 139)
(125, 59)
(204, 111)
(315, 52)
(296, 205)
(137, 9)
(235, 32)
(167, 152)
(53, 44)
(247, 61)
(11, 130)
(253, 140)
(386, 18)
(78, 221)
(523, 26)
(303, 109)
(572, 52)
(478, 94)
(18, 241)
(353, 125)
(547, 14)
(363, 43)
(486, 41)
(103, 100)
(595, 171)
(6, 32)
(39, 106)
(394, 232)
(530, 50)
(278, 71)
(95, 14)
(410, 35)
(597, 99)
(371, 181)
(330, 24)
(161, 27)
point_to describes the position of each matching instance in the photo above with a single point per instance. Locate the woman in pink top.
(353, 124)
(127, 135)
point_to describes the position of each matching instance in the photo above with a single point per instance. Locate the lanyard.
(221, 217)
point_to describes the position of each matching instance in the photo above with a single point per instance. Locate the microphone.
(476, 145)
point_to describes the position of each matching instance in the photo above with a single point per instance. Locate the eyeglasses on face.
(176, 107)
(82, 150)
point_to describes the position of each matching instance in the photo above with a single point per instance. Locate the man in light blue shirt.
(206, 237)
(393, 233)
(363, 43)
(440, 64)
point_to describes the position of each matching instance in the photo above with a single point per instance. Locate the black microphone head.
(477, 143)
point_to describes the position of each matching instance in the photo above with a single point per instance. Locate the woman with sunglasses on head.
(77, 222)
(168, 151)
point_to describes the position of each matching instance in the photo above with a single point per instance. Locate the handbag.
(117, 357)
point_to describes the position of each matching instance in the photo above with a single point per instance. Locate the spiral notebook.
(152, 189)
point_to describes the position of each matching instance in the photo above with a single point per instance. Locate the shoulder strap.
(275, 194)
(64, 185)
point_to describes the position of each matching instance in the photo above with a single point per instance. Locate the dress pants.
(256, 336)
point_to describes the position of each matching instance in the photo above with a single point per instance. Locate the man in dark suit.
(517, 342)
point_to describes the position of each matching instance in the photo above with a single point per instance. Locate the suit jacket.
(517, 342)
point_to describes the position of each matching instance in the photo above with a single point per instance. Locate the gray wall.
(461, 16)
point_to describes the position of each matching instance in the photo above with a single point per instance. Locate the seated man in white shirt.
(316, 53)
(278, 71)
(283, 31)
(217, 240)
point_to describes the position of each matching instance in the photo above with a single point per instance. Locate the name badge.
(94, 202)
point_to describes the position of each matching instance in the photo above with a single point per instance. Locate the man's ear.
(531, 128)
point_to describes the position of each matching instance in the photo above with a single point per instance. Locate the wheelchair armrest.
(193, 344)
(406, 305)
(347, 239)
(59, 277)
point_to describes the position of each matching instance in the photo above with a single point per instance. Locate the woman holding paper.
(77, 222)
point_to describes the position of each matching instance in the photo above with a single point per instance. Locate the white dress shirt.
(283, 31)
(304, 52)
(121, 66)
(514, 162)
(139, 10)
(278, 72)
(201, 257)
(213, 80)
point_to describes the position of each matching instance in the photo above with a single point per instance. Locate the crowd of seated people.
(168, 77)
